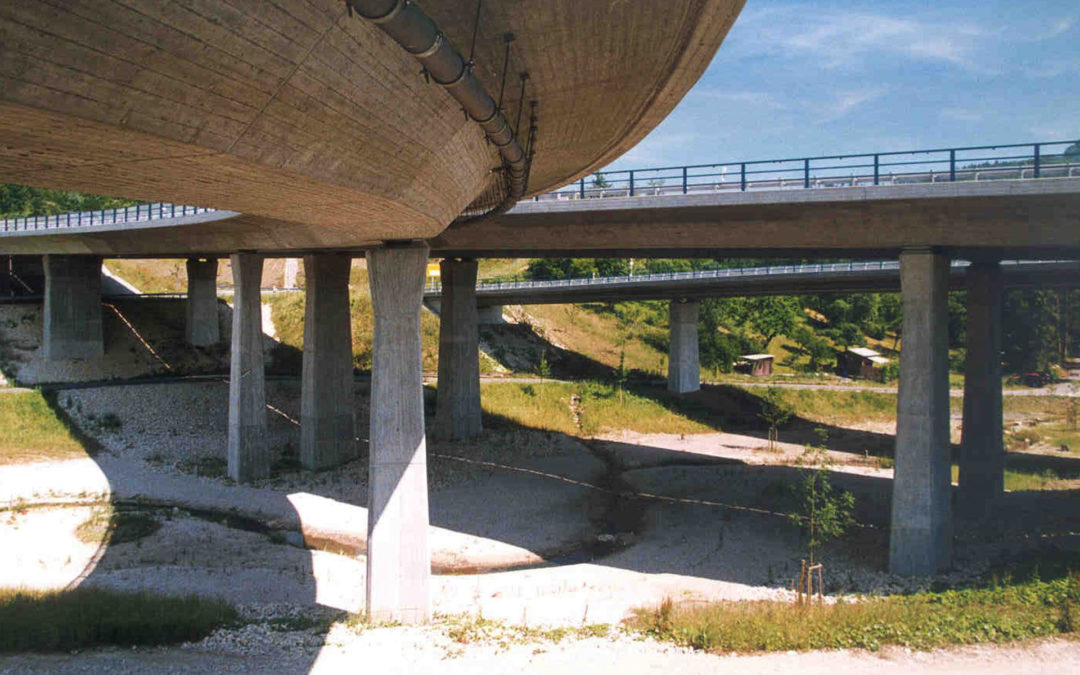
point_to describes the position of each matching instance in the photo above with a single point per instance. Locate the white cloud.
(962, 115)
(837, 38)
(843, 103)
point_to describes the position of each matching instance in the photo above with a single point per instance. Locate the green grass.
(116, 526)
(91, 617)
(921, 621)
(30, 431)
(597, 408)
(839, 406)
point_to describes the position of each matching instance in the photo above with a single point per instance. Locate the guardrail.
(434, 287)
(976, 163)
(129, 214)
(1051, 159)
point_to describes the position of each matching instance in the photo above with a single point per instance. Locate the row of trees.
(18, 201)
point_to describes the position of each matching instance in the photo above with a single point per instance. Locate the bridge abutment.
(920, 541)
(684, 365)
(982, 450)
(489, 315)
(398, 557)
(72, 326)
(249, 450)
(202, 328)
(327, 414)
(457, 415)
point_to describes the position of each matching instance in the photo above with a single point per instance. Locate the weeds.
(90, 617)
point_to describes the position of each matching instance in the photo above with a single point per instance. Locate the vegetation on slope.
(30, 431)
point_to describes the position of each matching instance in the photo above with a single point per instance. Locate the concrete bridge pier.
(327, 415)
(72, 308)
(398, 557)
(249, 450)
(489, 315)
(684, 365)
(920, 541)
(982, 450)
(202, 328)
(457, 415)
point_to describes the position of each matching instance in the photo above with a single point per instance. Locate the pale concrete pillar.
(982, 450)
(488, 316)
(249, 450)
(457, 415)
(72, 321)
(920, 540)
(292, 270)
(684, 366)
(327, 417)
(202, 327)
(398, 558)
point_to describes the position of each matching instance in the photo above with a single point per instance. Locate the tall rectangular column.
(327, 417)
(249, 450)
(982, 450)
(684, 365)
(920, 541)
(398, 558)
(457, 415)
(202, 326)
(72, 321)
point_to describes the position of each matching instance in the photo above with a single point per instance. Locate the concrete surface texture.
(920, 541)
(982, 450)
(202, 328)
(684, 365)
(72, 311)
(327, 417)
(299, 112)
(249, 452)
(457, 415)
(399, 559)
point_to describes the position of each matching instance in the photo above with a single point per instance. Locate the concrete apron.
(398, 561)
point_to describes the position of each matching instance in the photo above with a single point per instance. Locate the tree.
(818, 349)
(775, 412)
(600, 182)
(824, 511)
(771, 316)
(1073, 150)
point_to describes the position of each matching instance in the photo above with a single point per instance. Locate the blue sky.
(819, 77)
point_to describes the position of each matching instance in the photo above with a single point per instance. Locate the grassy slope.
(30, 431)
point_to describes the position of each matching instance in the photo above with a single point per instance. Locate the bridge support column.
(457, 415)
(72, 311)
(249, 450)
(982, 450)
(202, 327)
(489, 315)
(920, 541)
(327, 417)
(684, 366)
(398, 558)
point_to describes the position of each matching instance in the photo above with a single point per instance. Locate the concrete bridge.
(923, 224)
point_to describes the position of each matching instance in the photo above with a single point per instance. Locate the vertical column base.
(327, 419)
(458, 414)
(920, 540)
(249, 448)
(202, 328)
(684, 364)
(72, 322)
(398, 559)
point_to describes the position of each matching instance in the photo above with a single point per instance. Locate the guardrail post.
(684, 180)
(631, 183)
(952, 166)
(581, 186)
(806, 173)
(1038, 158)
(877, 170)
(742, 177)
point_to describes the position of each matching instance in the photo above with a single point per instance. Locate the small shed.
(861, 363)
(755, 365)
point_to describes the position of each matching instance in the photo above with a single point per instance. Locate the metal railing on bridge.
(434, 287)
(128, 214)
(1053, 159)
